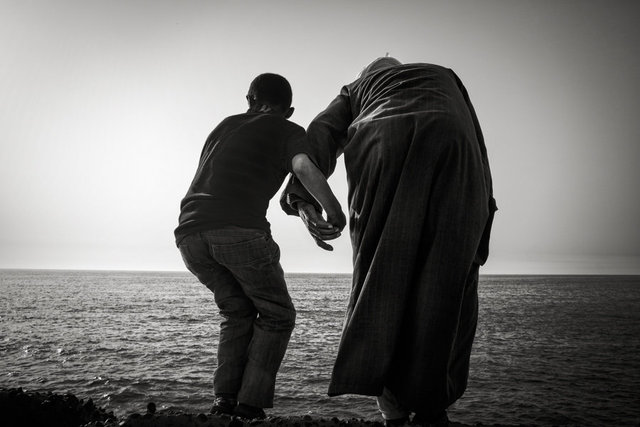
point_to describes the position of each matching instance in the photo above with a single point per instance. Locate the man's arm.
(315, 182)
(327, 137)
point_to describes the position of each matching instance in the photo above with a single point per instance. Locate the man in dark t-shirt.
(242, 166)
(225, 240)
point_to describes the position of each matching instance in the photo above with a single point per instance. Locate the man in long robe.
(420, 213)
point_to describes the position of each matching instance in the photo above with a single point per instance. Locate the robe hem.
(361, 389)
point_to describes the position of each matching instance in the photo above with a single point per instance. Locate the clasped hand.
(319, 228)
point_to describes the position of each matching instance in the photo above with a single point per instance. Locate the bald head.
(378, 64)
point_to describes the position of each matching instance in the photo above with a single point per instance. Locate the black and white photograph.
(340, 213)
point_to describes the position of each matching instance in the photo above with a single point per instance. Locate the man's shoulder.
(235, 118)
(278, 122)
(296, 128)
(228, 121)
(261, 124)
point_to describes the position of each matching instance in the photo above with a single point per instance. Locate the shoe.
(223, 405)
(438, 421)
(249, 412)
(396, 422)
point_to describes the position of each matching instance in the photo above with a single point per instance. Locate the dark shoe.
(440, 420)
(396, 422)
(249, 412)
(223, 405)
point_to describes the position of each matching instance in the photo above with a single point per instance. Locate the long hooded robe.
(420, 214)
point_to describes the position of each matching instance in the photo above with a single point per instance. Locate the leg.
(271, 334)
(461, 354)
(392, 411)
(237, 311)
(255, 265)
(461, 351)
(236, 331)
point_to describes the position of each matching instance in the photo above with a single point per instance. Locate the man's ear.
(251, 100)
(288, 113)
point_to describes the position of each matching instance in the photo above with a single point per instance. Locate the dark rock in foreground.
(20, 409)
(23, 409)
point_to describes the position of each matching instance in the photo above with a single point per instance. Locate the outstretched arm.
(315, 182)
(327, 137)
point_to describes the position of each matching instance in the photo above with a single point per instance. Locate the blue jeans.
(242, 268)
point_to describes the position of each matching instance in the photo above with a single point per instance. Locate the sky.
(106, 105)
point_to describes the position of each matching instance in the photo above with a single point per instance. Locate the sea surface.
(550, 350)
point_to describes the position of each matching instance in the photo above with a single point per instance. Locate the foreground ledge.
(19, 408)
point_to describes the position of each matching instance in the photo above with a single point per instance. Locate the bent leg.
(271, 334)
(236, 310)
(236, 332)
(262, 281)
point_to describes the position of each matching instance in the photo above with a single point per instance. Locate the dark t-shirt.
(243, 164)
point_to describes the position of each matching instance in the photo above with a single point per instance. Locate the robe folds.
(420, 213)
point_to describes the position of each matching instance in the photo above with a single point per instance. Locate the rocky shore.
(19, 408)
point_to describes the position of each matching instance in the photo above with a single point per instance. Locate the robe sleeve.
(327, 137)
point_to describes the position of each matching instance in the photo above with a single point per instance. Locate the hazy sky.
(105, 106)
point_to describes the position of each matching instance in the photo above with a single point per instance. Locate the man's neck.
(261, 108)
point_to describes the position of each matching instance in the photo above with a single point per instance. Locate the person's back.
(243, 164)
(421, 205)
(417, 90)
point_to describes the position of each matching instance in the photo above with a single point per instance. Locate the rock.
(151, 408)
(20, 408)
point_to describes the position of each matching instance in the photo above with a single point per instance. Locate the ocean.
(549, 350)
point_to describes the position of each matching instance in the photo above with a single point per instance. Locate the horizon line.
(118, 270)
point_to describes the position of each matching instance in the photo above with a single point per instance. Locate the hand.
(319, 229)
(337, 219)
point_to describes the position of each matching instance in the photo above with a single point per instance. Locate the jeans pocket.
(258, 250)
(187, 258)
(195, 253)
